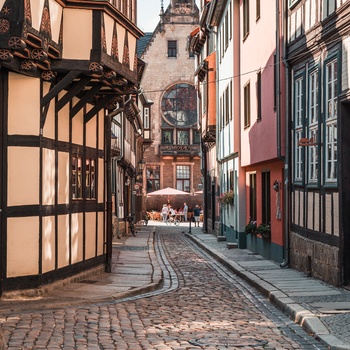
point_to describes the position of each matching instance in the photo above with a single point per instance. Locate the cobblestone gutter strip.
(306, 319)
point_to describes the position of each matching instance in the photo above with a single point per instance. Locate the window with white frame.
(298, 128)
(331, 80)
(313, 112)
(183, 178)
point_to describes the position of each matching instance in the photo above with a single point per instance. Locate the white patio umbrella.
(168, 192)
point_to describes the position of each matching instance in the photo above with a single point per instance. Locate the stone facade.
(316, 259)
(169, 69)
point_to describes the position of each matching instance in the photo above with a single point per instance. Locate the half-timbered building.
(318, 57)
(68, 68)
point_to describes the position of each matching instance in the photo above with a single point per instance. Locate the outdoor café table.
(179, 216)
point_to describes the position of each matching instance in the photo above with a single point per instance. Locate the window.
(247, 105)
(226, 28)
(298, 128)
(331, 80)
(252, 197)
(227, 105)
(313, 126)
(183, 178)
(257, 9)
(196, 137)
(77, 178)
(258, 93)
(90, 183)
(179, 105)
(167, 137)
(328, 7)
(245, 18)
(172, 48)
(146, 118)
(146, 123)
(153, 178)
(182, 137)
(266, 200)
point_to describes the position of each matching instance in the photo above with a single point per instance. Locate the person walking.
(196, 215)
(165, 211)
(185, 211)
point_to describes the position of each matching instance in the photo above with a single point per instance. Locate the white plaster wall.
(23, 176)
(78, 128)
(90, 235)
(63, 122)
(48, 241)
(132, 50)
(2, 3)
(49, 127)
(23, 105)
(77, 237)
(100, 180)
(37, 13)
(100, 233)
(48, 174)
(56, 12)
(78, 45)
(109, 26)
(121, 32)
(63, 240)
(101, 130)
(91, 133)
(63, 177)
(22, 246)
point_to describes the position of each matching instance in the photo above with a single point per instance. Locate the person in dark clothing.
(196, 215)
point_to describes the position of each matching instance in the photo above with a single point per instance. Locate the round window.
(179, 105)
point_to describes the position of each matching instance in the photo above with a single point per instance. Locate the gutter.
(285, 262)
(108, 170)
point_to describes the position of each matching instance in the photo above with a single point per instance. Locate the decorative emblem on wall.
(17, 43)
(6, 10)
(5, 55)
(29, 66)
(39, 55)
(96, 68)
(4, 25)
(48, 75)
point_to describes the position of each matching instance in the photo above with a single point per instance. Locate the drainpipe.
(285, 262)
(108, 164)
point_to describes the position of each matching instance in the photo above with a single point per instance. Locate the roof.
(143, 42)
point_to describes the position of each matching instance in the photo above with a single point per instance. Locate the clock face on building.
(179, 105)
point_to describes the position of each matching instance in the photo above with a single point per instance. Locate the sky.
(148, 13)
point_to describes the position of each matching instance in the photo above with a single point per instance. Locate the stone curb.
(306, 319)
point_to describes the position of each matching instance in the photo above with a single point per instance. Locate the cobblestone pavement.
(201, 305)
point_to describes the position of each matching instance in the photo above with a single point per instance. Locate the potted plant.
(250, 227)
(226, 198)
(264, 230)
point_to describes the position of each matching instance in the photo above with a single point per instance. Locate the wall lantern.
(127, 182)
(141, 166)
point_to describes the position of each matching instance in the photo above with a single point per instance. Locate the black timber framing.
(101, 104)
(73, 91)
(54, 91)
(59, 87)
(85, 99)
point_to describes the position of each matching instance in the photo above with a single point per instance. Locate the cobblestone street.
(200, 306)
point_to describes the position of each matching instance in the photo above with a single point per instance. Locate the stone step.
(231, 245)
(221, 238)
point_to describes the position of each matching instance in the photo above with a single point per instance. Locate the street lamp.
(141, 166)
